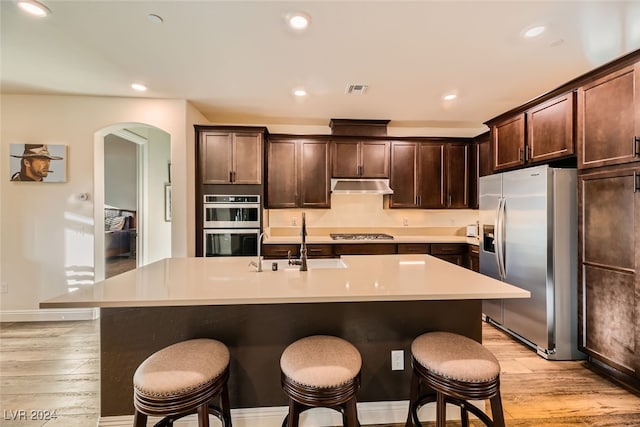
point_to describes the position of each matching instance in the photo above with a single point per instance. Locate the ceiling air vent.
(356, 89)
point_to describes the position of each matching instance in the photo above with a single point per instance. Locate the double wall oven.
(231, 225)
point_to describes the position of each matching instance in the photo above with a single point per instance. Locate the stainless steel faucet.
(258, 264)
(302, 262)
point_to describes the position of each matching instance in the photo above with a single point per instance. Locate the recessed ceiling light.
(156, 19)
(298, 20)
(300, 92)
(139, 87)
(450, 97)
(34, 7)
(534, 31)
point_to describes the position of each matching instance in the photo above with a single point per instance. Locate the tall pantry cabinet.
(608, 124)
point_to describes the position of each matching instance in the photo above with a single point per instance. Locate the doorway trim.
(121, 130)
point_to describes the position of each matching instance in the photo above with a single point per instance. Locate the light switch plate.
(397, 360)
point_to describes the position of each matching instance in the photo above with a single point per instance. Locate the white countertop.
(230, 280)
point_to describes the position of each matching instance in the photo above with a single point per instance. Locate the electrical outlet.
(397, 360)
(405, 221)
(4, 288)
(294, 222)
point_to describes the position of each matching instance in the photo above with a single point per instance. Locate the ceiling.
(238, 63)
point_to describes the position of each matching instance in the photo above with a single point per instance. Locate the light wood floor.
(54, 366)
(118, 265)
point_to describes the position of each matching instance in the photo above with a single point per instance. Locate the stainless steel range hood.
(360, 186)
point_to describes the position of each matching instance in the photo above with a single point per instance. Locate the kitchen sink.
(312, 264)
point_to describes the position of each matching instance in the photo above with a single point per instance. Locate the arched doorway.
(132, 165)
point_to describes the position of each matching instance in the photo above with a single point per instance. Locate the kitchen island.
(379, 303)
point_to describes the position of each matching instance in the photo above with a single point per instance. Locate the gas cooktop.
(360, 236)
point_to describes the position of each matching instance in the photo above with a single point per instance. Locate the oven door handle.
(232, 205)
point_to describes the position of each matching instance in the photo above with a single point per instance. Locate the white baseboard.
(394, 412)
(49, 315)
(368, 413)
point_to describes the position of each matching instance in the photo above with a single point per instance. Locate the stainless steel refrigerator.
(528, 238)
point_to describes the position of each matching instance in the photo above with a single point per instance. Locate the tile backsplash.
(369, 210)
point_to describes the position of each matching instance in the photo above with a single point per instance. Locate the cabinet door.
(247, 158)
(457, 175)
(345, 159)
(508, 142)
(313, 176)
(364, 249)
(609, 119)
(282, 178)
(374, 159)
(484, 156)
(431, 176)
(474, 258)
(217, 157)
(404, 175)
(609, 258)
(550, 129)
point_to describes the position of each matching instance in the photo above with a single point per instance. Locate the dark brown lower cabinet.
(474, 258)
(455, 253)
(413, 248)
(364, 249)
(609, 276)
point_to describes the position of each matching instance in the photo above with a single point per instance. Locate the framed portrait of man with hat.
(38, 162)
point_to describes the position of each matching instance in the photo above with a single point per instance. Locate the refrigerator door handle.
(500, 230)
(496, 237)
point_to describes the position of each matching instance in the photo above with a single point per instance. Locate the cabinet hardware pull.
(636, 181)
(636, 146)
(527, 154)
(230, 176)
(520, 152)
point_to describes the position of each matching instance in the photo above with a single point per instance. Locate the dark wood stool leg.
(225, 407)
(496, 410)
(350, 416)
(441, 410)
(293, 418)
(464, 415)
(413, 397)
(203, 415)
(139, 419)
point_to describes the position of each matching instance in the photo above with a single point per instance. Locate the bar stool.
(182, 379)
(321, 371)
(458, 369)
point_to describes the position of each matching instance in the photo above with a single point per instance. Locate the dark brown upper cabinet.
(484, 155)
(543, 133)
(231, 157)
(551, 130)
(298, 173)
(609, 119)
(357, 158)
(429, 175)
(404, 175)
(508, 142)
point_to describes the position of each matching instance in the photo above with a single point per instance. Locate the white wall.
(158, 236)
(371, 211)
(47, 239)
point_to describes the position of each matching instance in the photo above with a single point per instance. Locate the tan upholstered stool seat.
(458, 369)
(456, 357)
(321, 361)
(182, 379)
(181, 368)
(321, 371)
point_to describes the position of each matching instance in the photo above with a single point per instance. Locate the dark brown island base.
(379, 303)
